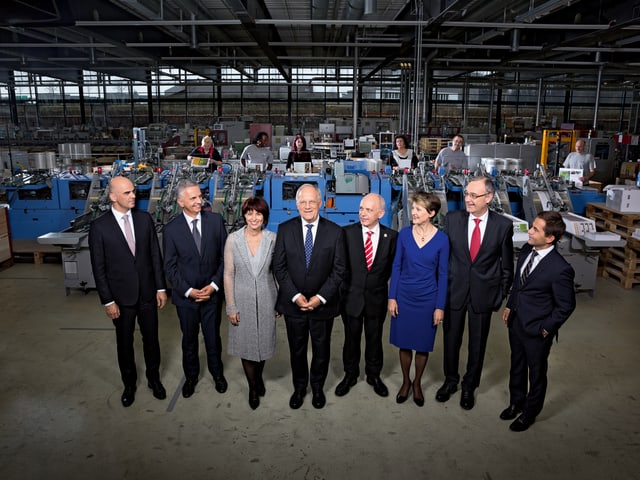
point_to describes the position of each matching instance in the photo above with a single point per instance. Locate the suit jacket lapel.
(383, 248)
(243, 250)
(464, 239)
(263, 249)
(298, 239)
(245, 253)
(358, 243)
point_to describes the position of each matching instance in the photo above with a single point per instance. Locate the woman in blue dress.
(418, 291)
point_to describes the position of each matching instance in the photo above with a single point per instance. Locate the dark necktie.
(196, 234)
(308, 244)
(474, 248)
(528, 267)
(368, 250)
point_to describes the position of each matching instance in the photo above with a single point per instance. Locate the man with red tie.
(480, 276)
(371, 248)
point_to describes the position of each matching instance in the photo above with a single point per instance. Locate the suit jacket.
(325, 274)
(547, 298)
(485, 282)
(367, 290)
(185, 267)
(120, 277)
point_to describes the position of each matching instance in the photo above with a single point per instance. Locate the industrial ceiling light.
(370, 7)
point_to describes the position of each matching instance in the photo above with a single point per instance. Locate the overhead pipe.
(539, 102)
(194, 37)
(416, 79)
(598, 87)
(355, 92)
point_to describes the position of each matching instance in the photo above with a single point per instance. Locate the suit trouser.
(147, 315)
(453, 330)
(191, 320)
(373, 356)
(529, 364)
(299, 328)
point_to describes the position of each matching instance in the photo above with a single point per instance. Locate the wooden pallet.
(6, 264)
(624, 224)
(431, 145)
(622, 264)
(626, 280)
(30, 249)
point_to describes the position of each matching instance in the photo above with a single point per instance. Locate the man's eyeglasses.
(475, 196)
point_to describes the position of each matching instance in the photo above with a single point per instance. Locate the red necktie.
(474, 248)
(368, 250)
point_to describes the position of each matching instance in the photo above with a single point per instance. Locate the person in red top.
(208, 151)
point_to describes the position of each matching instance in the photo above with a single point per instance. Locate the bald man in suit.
(127, 268)
(364, 306)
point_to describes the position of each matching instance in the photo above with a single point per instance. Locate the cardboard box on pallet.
(623, 198)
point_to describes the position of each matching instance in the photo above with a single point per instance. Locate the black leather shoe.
(418, 399)
(261, 388)
(466, 399)
(297, 399)
(158, 389)
(254, 399)
(189, 387)
(378, 386)
(221, 384)
(318, 400)
(403, 398)
(345, 385)
(510, 412)
(128, 396)
(521, 423)
(445, 391)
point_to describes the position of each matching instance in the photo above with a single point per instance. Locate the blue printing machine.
(279, 191)
(580, 197)
(46, 206)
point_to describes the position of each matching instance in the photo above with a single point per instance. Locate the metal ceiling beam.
(355, 23)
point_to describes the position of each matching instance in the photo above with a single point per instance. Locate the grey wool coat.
(251, 294)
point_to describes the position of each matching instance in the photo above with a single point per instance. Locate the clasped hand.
(203, 294)
(308, 305)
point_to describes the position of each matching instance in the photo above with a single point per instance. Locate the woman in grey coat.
(250, 292)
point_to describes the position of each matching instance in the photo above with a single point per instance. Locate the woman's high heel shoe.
(403, 398)
(254, 399)
(418, 399)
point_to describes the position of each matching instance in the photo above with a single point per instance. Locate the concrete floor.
(61, 417)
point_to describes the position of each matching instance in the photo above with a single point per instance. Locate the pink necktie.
(368, 250)
(474, 248)
(128, 233)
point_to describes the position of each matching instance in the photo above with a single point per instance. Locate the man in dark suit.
(127, 268)
(541, 300)
(366, 291)
(309, 264)
(193, 260)
(480, 275)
